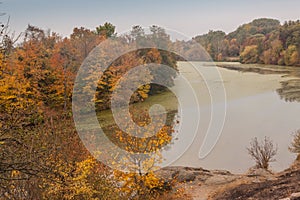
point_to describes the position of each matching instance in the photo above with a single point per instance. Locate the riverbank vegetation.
(263, 41)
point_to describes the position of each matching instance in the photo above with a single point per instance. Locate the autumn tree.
(83, 41)
(250, 54)
(273, 54)
(41, 153)
(291, 56)
(144, 157)
(234, 49)
(80, 180)
(213, 42)
(19, 116)
(122, 65)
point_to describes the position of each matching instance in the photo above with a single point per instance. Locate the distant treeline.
(263, 41)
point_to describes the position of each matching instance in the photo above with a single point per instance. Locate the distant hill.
(264, 41)
(262, 26)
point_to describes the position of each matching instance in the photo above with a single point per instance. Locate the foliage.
(291, 56)
(250, 54)
(136, 186)
(275, 43)
(41, 155)
(82, 180)
(143, 159)
(258, 26)
(107, 30)
(110, 78)
(213, 42)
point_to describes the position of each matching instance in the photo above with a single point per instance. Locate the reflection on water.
(254, 116)
(290, 90)
(254, 109)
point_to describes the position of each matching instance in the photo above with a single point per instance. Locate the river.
(253, 109)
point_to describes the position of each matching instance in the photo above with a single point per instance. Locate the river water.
(253, 109)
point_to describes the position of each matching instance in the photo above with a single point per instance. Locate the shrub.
(295, 148)
(263, 153)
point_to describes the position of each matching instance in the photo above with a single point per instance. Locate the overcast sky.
(190, 17)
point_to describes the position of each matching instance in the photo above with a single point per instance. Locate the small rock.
(295, 196)
(193, 169)
(259, 172)
(203, 178)
(221, 172)
(185, 176)
(167, 174)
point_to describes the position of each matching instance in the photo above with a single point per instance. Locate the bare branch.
(263, 153)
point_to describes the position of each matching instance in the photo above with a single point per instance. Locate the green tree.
(107, 30)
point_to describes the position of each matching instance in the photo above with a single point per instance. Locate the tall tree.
(107, 30)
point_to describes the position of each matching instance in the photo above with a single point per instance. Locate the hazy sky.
(190, 17)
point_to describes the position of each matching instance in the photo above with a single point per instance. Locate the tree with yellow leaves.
(80, 180)
(144, 157)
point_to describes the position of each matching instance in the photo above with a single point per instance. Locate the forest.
(263, 41)
(42, 156)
